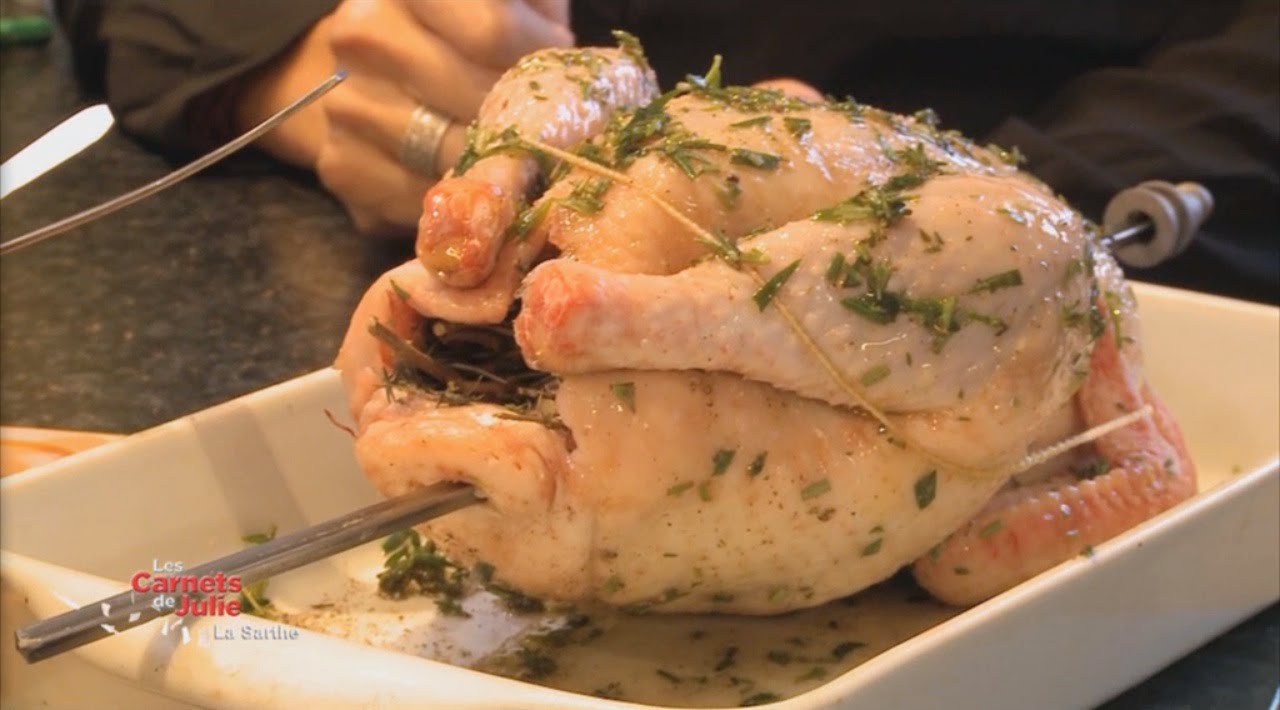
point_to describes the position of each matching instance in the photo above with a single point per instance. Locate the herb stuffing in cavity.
(460, 364)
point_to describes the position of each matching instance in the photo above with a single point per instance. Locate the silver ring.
(421, 141)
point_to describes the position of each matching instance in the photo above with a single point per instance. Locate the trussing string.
(1093, 434)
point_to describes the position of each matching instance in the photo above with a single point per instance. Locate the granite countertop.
(245, 276)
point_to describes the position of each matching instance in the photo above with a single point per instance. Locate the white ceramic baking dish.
(73, 531)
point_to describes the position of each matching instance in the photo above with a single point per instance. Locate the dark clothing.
(1098, 95)
(165, 65)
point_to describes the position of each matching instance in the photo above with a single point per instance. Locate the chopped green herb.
(528, 220)
(536, 664)
(648, 123)
(961, 570)
(770, 288)
(1017, 215)
(797, 126)
(928, 117)
(612, 585)
(874, 309)
(679, 488)
(872, 547)
(586, 197)
(253, 599)
(996, 324)
(835, 269)
(260, 537)
(843, 649)
(991, 528)
(926, 489)
(932, 241)
(678, 148)
(778, 656)
(415, 566)
(761, 699)
(823, 514)
(757, 464)
(1012, 156)
(482, 144)
(1115, 307)
(1093, 467)
(874, 375)
(815, 673)
(815, 489)
(877, 529)
(725, 249)
(777, 594)
(881, 204)
(1004, 279)
(631, 47)
(1086, 551)
(710, 80)
(704, 491)
(727, 659)
(748, 123)
(722, 597)
(612, 691)
(626, 393)
(756, 159)
(720, 461)
(729, 191)
(919, 166)
(402, 294)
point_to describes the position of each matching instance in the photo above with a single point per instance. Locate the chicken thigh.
(774, 352)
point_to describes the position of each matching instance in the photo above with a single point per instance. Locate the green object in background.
(31, 29)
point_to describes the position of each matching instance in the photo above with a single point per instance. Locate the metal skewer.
(1136, 233)
(177, 176)
(62, 633)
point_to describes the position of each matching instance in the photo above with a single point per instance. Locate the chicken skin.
(765, 353)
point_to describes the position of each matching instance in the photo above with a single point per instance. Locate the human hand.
(400, 54)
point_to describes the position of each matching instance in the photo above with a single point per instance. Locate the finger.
(555, 10)
(381, 196)
(493, 33)
(378, 112)
(792, 87)
(380, 39)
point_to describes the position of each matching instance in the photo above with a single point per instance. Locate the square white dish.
(189, 489)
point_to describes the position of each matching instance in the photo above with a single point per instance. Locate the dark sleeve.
(1206, 110)
(168, 67)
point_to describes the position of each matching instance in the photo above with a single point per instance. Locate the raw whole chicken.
(722, 349)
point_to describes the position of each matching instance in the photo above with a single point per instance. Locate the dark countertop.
(245, 276)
